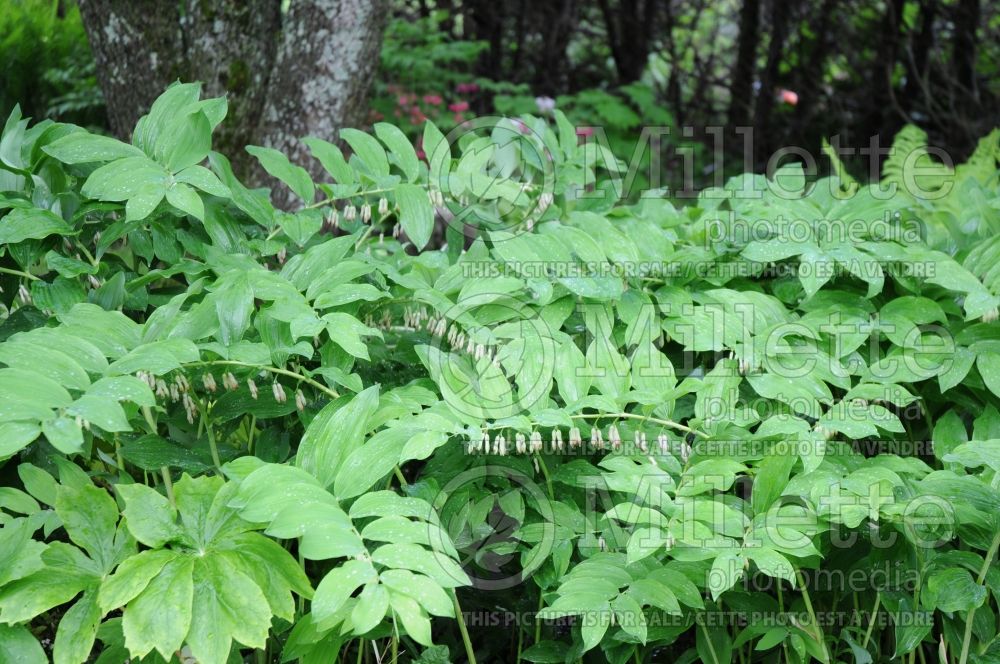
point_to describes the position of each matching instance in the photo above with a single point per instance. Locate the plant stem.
(168, 483)
(211, 444)
(871, 620)
(548, 478)
(275, 370)
(19, 273)
(469, 652)
(817, 631)
(399, 476)
(967, 637)
(646, 418)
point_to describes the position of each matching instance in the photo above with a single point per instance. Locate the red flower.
(458, 106)
(584, 131)
(789, 97)
(466, 88)
(433, 100)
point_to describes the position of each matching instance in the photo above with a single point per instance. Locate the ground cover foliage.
(763, 426)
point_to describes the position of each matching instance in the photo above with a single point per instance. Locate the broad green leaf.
(31, 223)
(334, 434)
(147, 626)
(368, 150)
(416, 215)
(400, 147)
(81, 147)
(278, 166)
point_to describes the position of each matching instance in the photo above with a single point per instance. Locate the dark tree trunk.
(741, 88)
(559, 19)
(967, 13)
(810, 78)
(780, 15)
(308, 74)
(630, 27)
(321, 78)
(138, 50)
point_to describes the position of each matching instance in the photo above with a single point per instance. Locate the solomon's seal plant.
(760, 427)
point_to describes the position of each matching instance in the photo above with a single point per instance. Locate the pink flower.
(583, 132)
(433, 100)
(466, 88)
(789, 97)
(458, 118)
(521, 127)
(458, 106)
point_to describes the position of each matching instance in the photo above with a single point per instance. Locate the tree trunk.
(138, 51)
(967, 14)
(321, 78)
(780, 15)
(308, 74)
(741, 88)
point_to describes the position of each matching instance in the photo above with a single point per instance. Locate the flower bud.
(300, 400)
(366, 213)
(279, 392)
(575, 440)
(252, 386)
(208, 380)
(614, 438)
(536, 442)
(519, 444)
(383, 206)
(557, 439)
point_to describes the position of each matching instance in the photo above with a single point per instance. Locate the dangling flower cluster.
(179, 389)
(279, 392)
(332, 221)
(383, 207)
(23, 294)
(229, 381)
(414, 318)
(300, 400)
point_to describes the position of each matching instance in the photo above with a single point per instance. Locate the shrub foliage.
(227, 427)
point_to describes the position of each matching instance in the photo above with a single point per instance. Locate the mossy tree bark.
(306, 72)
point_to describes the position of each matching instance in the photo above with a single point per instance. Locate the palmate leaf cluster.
(232, 428)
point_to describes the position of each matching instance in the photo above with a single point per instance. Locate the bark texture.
(305, 73)
(325, 63)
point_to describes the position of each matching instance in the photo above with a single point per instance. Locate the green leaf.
(416, 215)
(338, 585)
(370, 462)
(227, 606)
(368, 150)
(90, 516)
(31, 224)
(132, 577)
(81, 147)
(332, 159)
(401, 148)
(77, 631)
(17, 644)
(727, 570)
(414, 621)
(188, 144)
(334, 433)
(424, 590)
(145, 622)
(187, 200)
(277, 165)
(149, 516)
(989, 368)
(123, 179)
(204, 179)
(371, 607)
